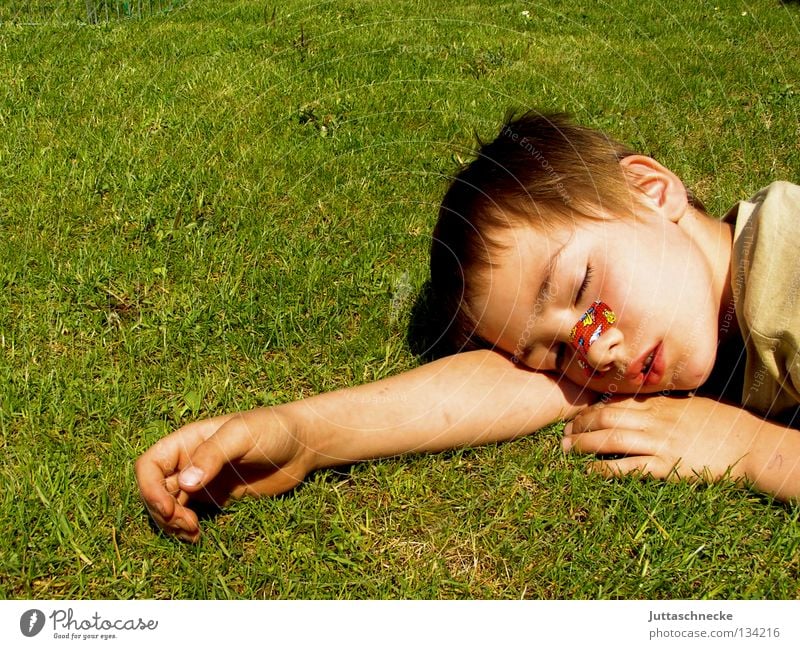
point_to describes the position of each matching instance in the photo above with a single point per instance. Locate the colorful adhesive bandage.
(598, 319)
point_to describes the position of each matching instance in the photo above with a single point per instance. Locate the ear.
(657, 186)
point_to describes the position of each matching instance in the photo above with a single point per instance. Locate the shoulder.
(769, 220)
(765, 270)
(780, 198)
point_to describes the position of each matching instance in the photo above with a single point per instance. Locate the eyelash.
(587, 278)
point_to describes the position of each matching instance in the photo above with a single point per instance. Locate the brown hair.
(541, 170)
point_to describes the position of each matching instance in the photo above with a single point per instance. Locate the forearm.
(773, 465)
(463, 400)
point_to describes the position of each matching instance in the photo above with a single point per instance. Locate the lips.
(657, 367)
(649, 367)
(648, 362)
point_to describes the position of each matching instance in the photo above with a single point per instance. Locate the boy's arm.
(773, 464)
(463, 400)
(689, 437)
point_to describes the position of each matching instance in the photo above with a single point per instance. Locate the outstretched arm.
(689, 437)
(463, 400)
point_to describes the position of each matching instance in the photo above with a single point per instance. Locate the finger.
(229, 443)
(182, 519)
(172, 452)
(169, 513)
(183, 522)
(186, 521)
(207, 427)
(151, 479)
(615, 441)
(171, 485)
(611, 416)
(641, 466)
(177, 532)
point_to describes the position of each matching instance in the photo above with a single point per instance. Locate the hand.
(250, 453)
(665, 437)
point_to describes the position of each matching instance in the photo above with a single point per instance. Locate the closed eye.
(586, 279)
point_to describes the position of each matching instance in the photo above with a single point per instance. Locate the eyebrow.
(544, 289)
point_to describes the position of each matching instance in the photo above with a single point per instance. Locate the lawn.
(229, 205)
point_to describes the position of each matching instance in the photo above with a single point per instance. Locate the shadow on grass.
(425, 335)
(207, 509)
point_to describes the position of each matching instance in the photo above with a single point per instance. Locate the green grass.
(223, 206)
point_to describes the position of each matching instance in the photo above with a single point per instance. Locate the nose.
(596, 338)
(606, 350)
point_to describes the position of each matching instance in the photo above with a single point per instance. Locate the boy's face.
(651, 274)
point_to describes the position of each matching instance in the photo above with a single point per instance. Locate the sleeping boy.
(577, 280)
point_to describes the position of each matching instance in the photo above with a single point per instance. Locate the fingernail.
(566, 444)
(191, 476)
(568, 428)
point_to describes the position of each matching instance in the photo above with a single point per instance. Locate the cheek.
(674, 299)
(696, 360)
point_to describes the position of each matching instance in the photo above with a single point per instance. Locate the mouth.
(648, 369)
(648, 362)
(654, 366)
